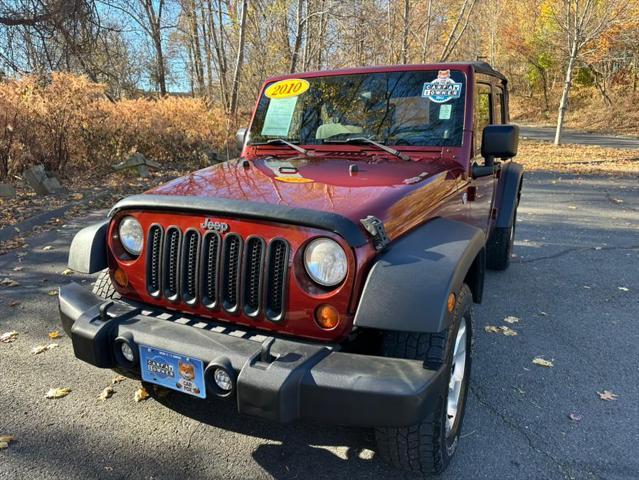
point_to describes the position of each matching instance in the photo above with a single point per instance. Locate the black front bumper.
(276, 378)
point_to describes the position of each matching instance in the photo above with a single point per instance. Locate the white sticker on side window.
(277, 121)
(445, 111)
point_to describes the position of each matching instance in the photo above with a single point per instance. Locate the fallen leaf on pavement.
(54, 393)
(543, 362)
(9, 337)
(607, 395)
(47, 248)
(575, 417)
(55, 334)
(43, 348)
(118, 379)
(9, 282)
(511, 319)
(140, 394)
(52, 293)
(5, 440)
(106, 393)
(507, 331)
(67, 271)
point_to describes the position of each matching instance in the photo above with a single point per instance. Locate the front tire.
(103, 286)
(428, 446)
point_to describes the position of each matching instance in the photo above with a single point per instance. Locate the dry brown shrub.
(66, 121)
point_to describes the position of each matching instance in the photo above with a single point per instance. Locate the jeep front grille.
(276, 279)
(254, 259)
(231, 269)
(231, 272)
(153, 260)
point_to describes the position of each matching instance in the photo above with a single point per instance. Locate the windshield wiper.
(272, 141)
(390, 150)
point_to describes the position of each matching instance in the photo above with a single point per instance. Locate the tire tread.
(418, 448)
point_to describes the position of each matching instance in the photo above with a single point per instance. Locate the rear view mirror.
(500, 141)
(240, 136)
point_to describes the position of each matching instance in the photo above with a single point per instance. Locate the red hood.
(400, 193)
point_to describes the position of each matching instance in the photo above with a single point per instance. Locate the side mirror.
(500, 141)
(240, 136)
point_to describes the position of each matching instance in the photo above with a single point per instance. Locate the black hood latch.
(375, 228)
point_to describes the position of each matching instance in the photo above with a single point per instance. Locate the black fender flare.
(408, 285)
(88, 252)
(507, 195)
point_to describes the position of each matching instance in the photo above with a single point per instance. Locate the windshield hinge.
(375, 228)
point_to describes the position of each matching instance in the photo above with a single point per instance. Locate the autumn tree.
(579, 22)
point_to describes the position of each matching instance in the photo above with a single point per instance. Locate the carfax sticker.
(442, 89)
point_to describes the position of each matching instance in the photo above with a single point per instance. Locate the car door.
(482, 189)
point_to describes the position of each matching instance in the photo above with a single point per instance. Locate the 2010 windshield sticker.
(287, 88)
(442, 89)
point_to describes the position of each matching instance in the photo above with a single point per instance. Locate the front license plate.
(171, 370)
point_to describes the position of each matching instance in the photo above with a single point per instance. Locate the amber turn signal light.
(120, 277)
(451, 302)
(327, 317)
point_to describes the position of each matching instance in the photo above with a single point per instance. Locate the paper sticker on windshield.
(287, 88)
(445, 111)
(442, 89)
(277, 121)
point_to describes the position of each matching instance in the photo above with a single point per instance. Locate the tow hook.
(104, 316)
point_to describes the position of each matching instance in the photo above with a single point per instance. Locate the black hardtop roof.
(482, 67)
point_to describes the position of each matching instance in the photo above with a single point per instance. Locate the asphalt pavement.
(573, 286)
(568, 136)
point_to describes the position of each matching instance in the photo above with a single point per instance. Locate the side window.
(483, 112)
(499, 106)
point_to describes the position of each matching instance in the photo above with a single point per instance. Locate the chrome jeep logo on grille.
(219, 227)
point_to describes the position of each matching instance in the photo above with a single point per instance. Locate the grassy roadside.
(580, 159)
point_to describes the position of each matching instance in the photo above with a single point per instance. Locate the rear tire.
(103, 286)
(499, 247)
(427, 447)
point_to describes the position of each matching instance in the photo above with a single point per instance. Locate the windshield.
(419, 108)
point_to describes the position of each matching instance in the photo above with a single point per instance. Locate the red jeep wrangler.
(330, 272)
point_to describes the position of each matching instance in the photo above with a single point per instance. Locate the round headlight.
(131, 235)
(325, 262)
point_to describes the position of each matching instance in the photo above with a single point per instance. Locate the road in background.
(547, 134)
(573, 286)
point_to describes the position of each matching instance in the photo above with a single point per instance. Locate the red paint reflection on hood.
(325, 184)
